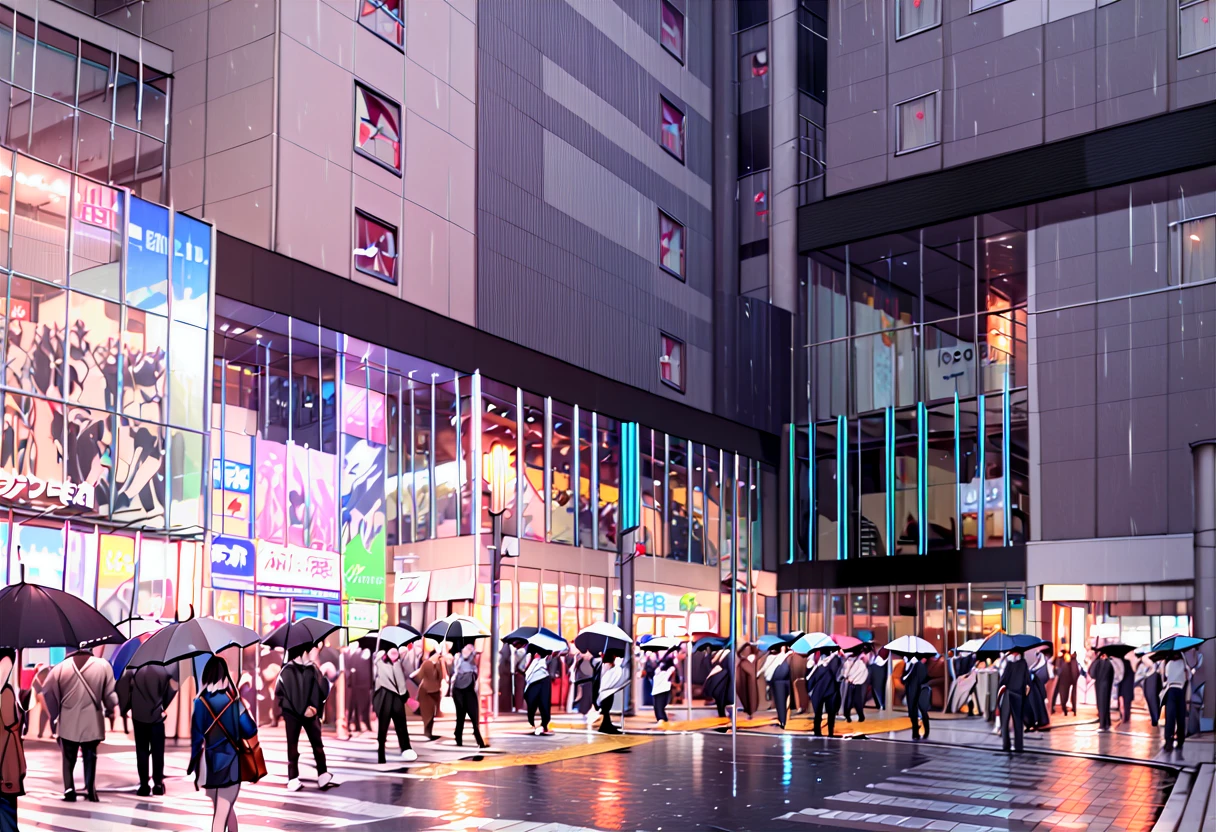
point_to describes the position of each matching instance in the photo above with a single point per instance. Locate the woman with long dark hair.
(220, 722)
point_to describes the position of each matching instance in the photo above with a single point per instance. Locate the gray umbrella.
(186, 639)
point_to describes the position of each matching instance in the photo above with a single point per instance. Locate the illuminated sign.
(657, 603)
(97, 205)
(294, 570)
(26, 488)
(411, 587)
(362, 616)
(232, 563)
(237, 476)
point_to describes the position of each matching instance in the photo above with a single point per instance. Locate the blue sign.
(148, 257)
(191, 278)
(237, 476)
(232, 563)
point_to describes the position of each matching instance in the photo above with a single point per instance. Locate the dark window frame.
(667, 4)
(682, 274)
(379, 4)
(681, 387)
(370, 217)
(664, 101)
(400, 169)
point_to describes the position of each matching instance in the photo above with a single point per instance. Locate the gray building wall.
(1010, 76)
(1122, 360)
(571, 178)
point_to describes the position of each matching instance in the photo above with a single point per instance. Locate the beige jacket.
(84, 699)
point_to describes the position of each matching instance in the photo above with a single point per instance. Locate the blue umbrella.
(1026, 641)
(123, 655)
(770, 642)
(1176, 644)
(998, 643)
(713, 642)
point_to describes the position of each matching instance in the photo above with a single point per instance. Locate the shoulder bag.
(249, 750)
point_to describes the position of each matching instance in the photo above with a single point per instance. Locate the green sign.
(363, 568)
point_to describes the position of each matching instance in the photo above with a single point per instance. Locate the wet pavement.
(677, 782)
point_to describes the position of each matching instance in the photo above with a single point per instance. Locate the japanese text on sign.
(28, 488)
(298, 571)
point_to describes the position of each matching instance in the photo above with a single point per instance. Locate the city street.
(647, 781)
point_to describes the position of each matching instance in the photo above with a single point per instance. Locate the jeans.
(781, 699)
(660, 705)
(312, 728)
(70, 751)
(150, 742)
(8, 813)
(1012, 711)
(465, 701)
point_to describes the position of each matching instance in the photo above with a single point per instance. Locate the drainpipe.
(1204, 604)
(725, 223)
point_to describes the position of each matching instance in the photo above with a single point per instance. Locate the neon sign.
(97, 205)
(26, 488)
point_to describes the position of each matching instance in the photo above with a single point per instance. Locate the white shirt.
(1176, 674)
(612, 679)
(537, 670)
(662, 680)
(856, 672)
(774, 661)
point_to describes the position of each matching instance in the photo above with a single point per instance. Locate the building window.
(912, 16)
(979, 5)
(1196, 27)
(671, 362)
(384, 18)
(673, 129)
(671, 245)
(1198, 250)
(377, 128)
(375, 247)
(916, 123)
(671, 30)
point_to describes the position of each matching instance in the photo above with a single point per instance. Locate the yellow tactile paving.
(853, 729)
(599, 744)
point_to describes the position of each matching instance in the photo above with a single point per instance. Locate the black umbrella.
(32, 615)
(194, 637)
(394, 635)
(458, 629)
(520, 635)
(303, 632)
(1117, 650)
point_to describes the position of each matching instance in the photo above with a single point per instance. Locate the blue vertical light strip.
(958, 478)
(811, 500)
(922, 486)
(889, 451)
(1005, 453)
(979, 468)
(842, 487)
(793, 439)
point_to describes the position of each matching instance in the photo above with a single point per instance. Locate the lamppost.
(498, 468)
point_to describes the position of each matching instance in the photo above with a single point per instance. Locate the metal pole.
(688, 665)
(734, 613)
(495, 583)
(1203, 624)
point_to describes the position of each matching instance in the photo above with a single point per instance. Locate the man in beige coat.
(83, 685)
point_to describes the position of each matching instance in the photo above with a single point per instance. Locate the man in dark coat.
(879, 667)
(1149, 679)
(144, 693)
(1067, 675)
(1015, 684)
(1036, 701)
(301, 694)
(1127, 690)
(719, 684)
(1103, 674)
(916, 683)
(798, 670)
(358, 689)
(824, 691)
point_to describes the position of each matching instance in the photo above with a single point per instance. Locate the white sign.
(455, 583)
(411, 587)
(362, 616)
(294, 570)
(28, 488)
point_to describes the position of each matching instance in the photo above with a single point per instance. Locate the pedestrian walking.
(798, 672)
(582, 672)
(916, 683)
(718, 683)
(301, 695)
(219, 722)
(1015, 683)
(389, 701)
(46, 720)
(1037, 716)
(519, 667)
(538, 691)
(12, 752)
(1149, 680)
(746, 684)
(144, 693)
(877, 669)
(464, 694)
(83, 685)
(430, 677)
(856, 677)
(660, 690)
(613, 678)
(777, 673)
(1126, 685)
(1177, 679)
(823, 690)
(358, 689)
(1067, 677)
(1102, 671)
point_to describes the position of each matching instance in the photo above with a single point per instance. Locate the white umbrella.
(601, 637)
(811, 642)
(912, 646)
(971, 646)
(456, 627)
(548, 643)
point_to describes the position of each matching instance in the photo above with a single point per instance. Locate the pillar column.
(1204, 603)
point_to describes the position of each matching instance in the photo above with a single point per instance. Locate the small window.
(671, 362)
(377, 128)
(671, 30)
(1196, 28)
(759, 63)
(375, 247)
(916, 123)
(978, 5)
(673, 129)
(912, 16)
(384, 18)
(671, 245)
(1198, 250)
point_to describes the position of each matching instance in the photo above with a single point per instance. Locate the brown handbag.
(251, 760)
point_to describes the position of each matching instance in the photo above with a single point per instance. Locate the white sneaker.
(591, 717)
(324, 780)
(294, 784)
(409, 755)
(537, 731)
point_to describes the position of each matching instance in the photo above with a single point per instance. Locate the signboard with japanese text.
(232, 563)
(27, 488)
(148, 256)
(296, 571)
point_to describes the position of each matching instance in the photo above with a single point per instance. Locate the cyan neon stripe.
(1005, 453)
(889, 452)
(979, 467)
(812, 545)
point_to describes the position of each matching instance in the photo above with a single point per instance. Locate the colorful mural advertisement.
(115, 576)
(40, 554)
(363, 519)
(271, 492)
(323, 511)
(292, 570)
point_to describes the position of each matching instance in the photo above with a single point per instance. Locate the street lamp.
(498, 466)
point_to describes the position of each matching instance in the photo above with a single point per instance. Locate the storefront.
(1135, 614)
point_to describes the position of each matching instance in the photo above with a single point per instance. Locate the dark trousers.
(1175, 718)
(539, 697)
(150, 743)
(465, 701)
(8, 813)
(1125, 707)
(519, 679)
(660, 705)
(781, 698)
(855, 699)
(918, 713)
(312, 728)
(359, 711)
(1012, 711)
(1063, 691)
(390, 708)
(1102, 694)
(606, 726)
(831, 706)
(70, 751)
(1152, 700)
(720, 702)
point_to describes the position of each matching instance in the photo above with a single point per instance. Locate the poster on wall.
(295, 571)
(232, 561)
(363, 519)
(271, 492)
(323, 501)
(191, 278)
(231, 487)
(115, 576)
(297, 494)
(148, 256)
(40, 553)
(157, 595)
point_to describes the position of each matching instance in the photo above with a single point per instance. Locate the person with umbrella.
(718, 683)
(746, 686)
(301, 693)
(1068, 677)
(358, 688)
(1037, 699)
(1015, 685)
(777, 674)
(613, 678)
(12, 751)
(1148, 677)
(798, 671)
(388, 700)
(856, 676)
(464, 693)
(430, 677)
(144, 693)
(538, 691)
(219, 726)
(661, 686)
(83, 685)
(1177, 679)
(916, 684)
(1102, 672)
(822, 688)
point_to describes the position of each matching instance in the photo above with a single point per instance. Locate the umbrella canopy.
(912, 646)
(122, 656)
(457, 629)
(548, 641)
(971, 645)
(847, 642)
(770, 642)
(710, 643)
(790, 638)
(304, 632)
(193, 637)
(32, 615)
(997, 643)
(394, 635)
(1144, 650)
(520, 635)
(1117, 650)
(138, 626)
(812, 642)
(601, 637)
(1028, 642)
(1176, 644)
(661, 644)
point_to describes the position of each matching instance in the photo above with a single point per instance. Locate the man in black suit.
(824, 690)
(1014, 688)
(1103, 674)
(916, 683)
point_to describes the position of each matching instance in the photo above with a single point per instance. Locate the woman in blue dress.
(220, 719)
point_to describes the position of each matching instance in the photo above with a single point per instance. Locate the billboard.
(296, 571)
(232, 562)
(148, 257)
(363, 519)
